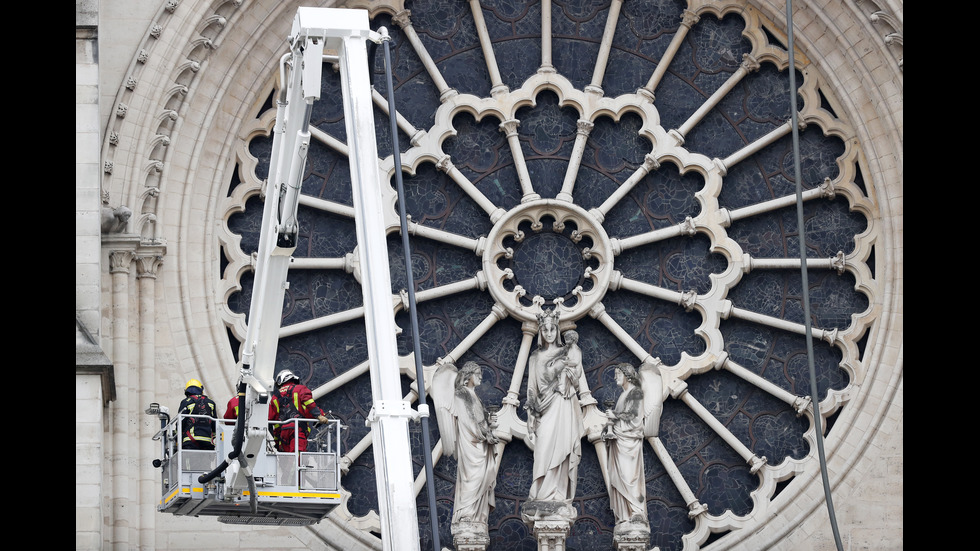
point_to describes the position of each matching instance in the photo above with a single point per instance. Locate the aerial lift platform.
(245, 480)
(290, 488)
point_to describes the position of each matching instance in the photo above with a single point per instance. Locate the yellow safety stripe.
(293, 494)
(173, 494)
(167, 499)
(295, 401)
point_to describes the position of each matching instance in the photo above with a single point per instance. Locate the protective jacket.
(198, 432)
(231, 410)
(292, 401)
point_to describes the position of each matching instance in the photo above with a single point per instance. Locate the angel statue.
(466, 429)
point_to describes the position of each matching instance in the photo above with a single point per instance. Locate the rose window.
(627, 163)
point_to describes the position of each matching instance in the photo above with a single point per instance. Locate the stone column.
(551, 534)
(122, 437)
(471, 540)
(149, 488)
(631, 536)
(550, 522)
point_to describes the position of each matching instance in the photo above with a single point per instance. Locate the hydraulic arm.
(300, 71)
(254, 483)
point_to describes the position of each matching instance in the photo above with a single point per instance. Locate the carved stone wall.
(181, 87)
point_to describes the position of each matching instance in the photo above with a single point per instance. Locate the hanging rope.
(410, 285)
(814, 395)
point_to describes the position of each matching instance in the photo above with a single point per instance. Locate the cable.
(814, 395)
(419, 374)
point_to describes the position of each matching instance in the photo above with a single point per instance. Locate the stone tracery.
(586, 302)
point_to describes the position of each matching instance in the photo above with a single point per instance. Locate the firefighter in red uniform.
(291, 400)
(231, 410)
(198, 432)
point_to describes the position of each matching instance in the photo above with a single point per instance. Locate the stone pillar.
(470, 537)
(632, 536)
(551, 534)
(550, 522)
(123, 506)
(148, 261)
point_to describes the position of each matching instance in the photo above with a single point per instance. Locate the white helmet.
(285, 375)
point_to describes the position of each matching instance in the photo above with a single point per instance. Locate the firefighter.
(198, 432)
(231, 410)
(291, 400)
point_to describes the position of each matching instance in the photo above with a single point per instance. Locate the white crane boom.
(250, 463)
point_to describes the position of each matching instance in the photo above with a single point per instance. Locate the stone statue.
(653, 398)
(466, 429)
(555, 425)
(573, 358)
(624, 446)
(115, 220)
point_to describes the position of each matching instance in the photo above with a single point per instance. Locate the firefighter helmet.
(193, 386)
(285, 375)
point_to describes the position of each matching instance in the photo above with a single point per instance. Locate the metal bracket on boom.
(392, 408)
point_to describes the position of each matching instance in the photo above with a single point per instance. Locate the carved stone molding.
(469, 536)
(507, 287)
(631, 536)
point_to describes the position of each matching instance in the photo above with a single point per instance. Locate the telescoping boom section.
(246, 479)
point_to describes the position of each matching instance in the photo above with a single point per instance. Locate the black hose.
(410, 285)
(237, 440)
(371, 53)
(253, 495)
(814, 395)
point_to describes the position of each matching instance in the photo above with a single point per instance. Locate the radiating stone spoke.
(688, 19)
(326, 206)
(724, 165)
(403, 124)
(477, 282)
(828, 335)
(649, 163)
(605, 45)
(345, 263)
(403, 19)
(322, 322)
(694, 507)
(685, 228)
(685, 299)
(749, 64)
(488, 56)
(442, 236)
(678, 390)
(496, 314)
(584, 127)
(599, 312)
(446, 165)
(838, 263)
(799, 403)
(329, 141)
(827, 190)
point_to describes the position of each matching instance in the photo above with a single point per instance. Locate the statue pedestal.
(631, 536)
(470, 536)
(550, 522)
